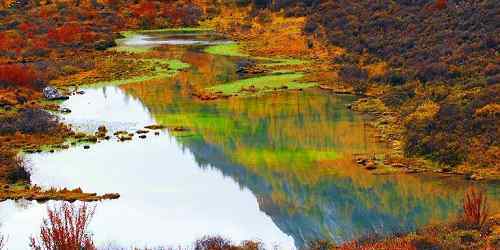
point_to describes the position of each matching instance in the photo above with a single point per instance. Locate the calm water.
(275, 168)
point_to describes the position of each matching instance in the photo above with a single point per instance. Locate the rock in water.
(51, 93)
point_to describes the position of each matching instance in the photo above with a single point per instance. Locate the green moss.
(229, 49)
(263, 84)
(284, 62)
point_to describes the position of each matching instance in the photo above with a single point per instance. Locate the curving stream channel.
(276, 168)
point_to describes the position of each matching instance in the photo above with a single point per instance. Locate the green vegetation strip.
(178, 30)
(160, 68)
(262, 84)
(234, 49)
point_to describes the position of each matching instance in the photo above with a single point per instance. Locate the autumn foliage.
(18, 75)
(68, 33)
(65, 229)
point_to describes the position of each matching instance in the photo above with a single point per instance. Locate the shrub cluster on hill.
(443, 67)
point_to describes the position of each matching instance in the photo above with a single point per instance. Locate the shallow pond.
(276, 168)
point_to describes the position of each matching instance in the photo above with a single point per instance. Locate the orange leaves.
(440, 4)
(11, 41)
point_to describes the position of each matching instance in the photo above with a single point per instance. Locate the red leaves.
(440, 4)
(145, 9)
(18, 75)
(475, 207)
(66, 34)
(65, 229)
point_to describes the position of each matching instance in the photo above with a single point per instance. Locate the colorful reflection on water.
(276, 168)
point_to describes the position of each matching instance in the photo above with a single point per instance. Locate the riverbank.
(266, 69)
(399, 120)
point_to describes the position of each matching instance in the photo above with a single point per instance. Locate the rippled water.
(276, 168)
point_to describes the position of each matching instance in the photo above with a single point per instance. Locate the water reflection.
(275, 168)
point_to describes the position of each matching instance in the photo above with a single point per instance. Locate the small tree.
(65, 229)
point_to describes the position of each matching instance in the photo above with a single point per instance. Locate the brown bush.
(20, 172)
(29, 121)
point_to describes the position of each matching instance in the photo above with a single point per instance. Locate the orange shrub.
(12, 41)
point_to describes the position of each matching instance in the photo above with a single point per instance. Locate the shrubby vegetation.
(444, 52)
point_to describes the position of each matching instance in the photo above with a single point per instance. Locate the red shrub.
(40, 43)
(28, 29)
(66, 34)
(440, 4)
(145, 9)
(65, 229)
(18, 75)
(475, 207)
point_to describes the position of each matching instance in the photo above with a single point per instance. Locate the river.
(277, 167)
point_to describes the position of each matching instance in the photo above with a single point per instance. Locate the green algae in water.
(263, 84)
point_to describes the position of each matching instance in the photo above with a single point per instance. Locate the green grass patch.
(178, 30)
(285, 62)
(234, 49)
(230, 49)
(263, 84)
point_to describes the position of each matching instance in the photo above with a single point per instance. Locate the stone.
(476, 177)
(102, 129)
(370, 166)
(180, 129)
(104, 44)
(361, 161)
(65, 110)
(52, 93)
(398, 165)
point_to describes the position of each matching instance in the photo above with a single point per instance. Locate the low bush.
(21, 171)
(29, 121)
